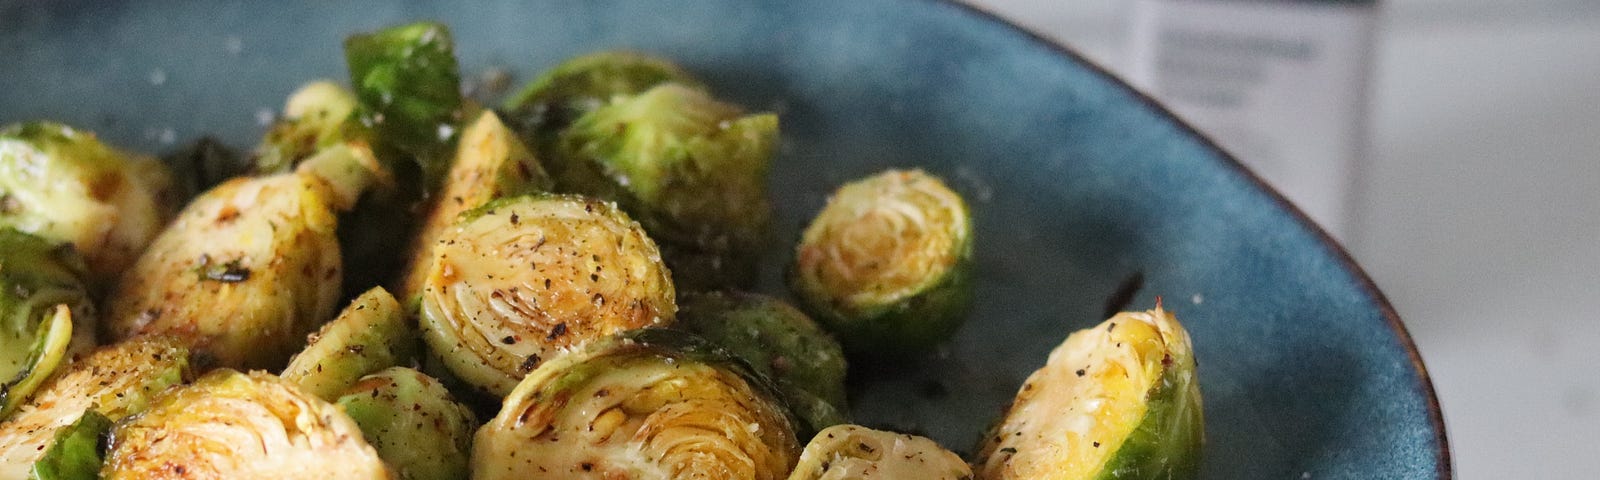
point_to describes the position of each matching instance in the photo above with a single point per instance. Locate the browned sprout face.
(640, 410)
(240, 426)
(490, 163)
(116, 380)
(887, 264)
(521, 280)
(1117, 401)
(850, 452)
(243, 274)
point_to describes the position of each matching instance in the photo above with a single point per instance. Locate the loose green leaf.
(77, 452)
(409, 89)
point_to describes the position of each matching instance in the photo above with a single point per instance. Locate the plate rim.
(1364, 282)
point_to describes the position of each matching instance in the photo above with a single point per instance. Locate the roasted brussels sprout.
(1117, 401)
(114, 381)
(413, 423)
(777, 341)
(45, 313)
(582, 84)
(75, 453)
(522, 279)
(368, 336)
(243, 274)
(315, 117)
(648, 404)
(64, 185)
(409, 90)
(235, 425)
(855, 452)
(691, 169)
(887, 265)
(490, 163)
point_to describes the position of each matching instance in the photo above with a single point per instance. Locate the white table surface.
(1479, 214)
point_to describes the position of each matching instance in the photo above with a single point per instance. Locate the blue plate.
(1078, 183)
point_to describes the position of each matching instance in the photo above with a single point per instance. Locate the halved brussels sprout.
(235, 425)
(413, 423)
(490, 163)
(243, 274)
(314, 117)
(115, 381)
(855, 452)
(75, 454)
(520, 280)
(653, 404)
(368, 336)
(46, 314)
(64, 185)
(887, 264)
(409, 90)
(1117, 401)
(691, 169)
(778, 341)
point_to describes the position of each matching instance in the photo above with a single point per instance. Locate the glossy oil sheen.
(1076, 183)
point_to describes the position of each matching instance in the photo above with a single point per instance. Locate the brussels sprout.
(46, 353)
(855, 452)
(315, 117)
(1117, 401)
(64, 185)
(235, 425)
(490, 163)
(114, 381)
(651, 404)
(522, 279)
(691, 169)
(409, 91)
(368, 336)
(779, 342)
(45, 312)
(582, 84)
(243, 274)
(348, 169)
(75, 454)
(413, 423)
(887, 265)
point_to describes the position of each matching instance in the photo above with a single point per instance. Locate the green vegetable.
(652, 404)
(409, 90)
(887, 265)
(691, 169)
(64, 185)
(1117, 401)
(115, 381)
(856, 452)
(777, 341)
(46, 314)
(490, 163)
(370, 335)
(413, 423)
(235, 425)
(76, 452)
(46, 353)
(315, 117)
(582, 84)
(520, 280)
(243, 274)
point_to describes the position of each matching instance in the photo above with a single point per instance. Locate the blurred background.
(1452, 145)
